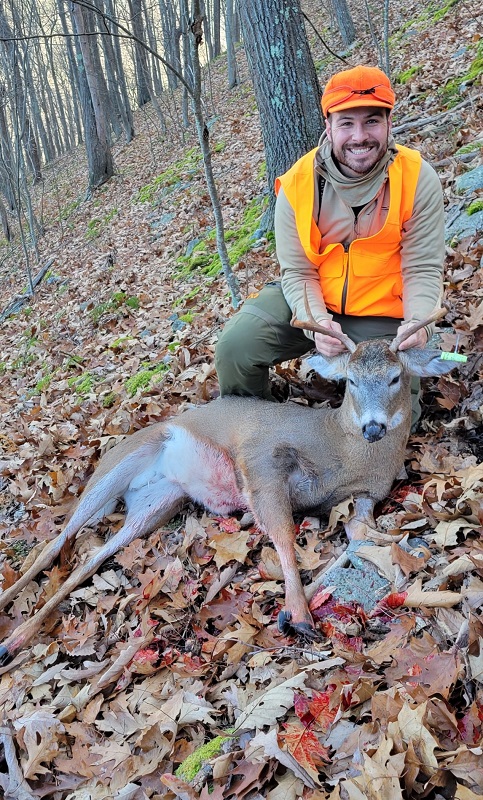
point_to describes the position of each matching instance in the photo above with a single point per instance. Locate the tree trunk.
(285, 82)
(171, 38)
(99, 155)
(216, 25)
(230, 46)
(184, 10)
(140, 57)
(114, 57)
(344, 21)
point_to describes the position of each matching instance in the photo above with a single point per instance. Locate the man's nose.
(358, 133)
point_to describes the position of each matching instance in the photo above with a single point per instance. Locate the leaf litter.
(174, 643)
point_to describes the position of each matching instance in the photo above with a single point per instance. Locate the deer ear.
(334, 368)
(425, 363)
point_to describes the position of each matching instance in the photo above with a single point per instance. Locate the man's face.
(358, 137)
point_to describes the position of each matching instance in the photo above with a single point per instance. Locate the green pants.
(260, 335)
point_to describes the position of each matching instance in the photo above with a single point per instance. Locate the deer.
(247, 454)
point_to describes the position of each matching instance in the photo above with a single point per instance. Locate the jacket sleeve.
(422, 248)
(296, 269)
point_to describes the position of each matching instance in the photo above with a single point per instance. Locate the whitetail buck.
(242, 453)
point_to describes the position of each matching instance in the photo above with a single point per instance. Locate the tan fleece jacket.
(422, 242)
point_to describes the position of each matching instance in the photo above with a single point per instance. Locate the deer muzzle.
(373, 431)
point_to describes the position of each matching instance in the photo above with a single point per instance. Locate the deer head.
(378, 376)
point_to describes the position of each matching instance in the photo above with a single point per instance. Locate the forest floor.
(175, 641)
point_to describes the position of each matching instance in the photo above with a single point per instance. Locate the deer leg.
(273, 514)
(147, 508)
(100, 497)
(362, 520)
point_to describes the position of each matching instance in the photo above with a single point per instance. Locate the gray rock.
(464, 225)
(364, 587)
(470, 181)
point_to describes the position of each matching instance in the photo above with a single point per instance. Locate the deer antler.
(438, 313)
(312, 325)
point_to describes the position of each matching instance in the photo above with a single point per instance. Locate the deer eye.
(351, 382)
(395, 381)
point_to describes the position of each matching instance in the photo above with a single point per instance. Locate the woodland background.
(174, 644)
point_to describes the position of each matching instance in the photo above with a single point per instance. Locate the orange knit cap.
(359, 86)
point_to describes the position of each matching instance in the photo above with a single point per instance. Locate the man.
(359, 223)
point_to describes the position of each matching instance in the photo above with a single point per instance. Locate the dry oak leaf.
(411, 728)
(288, 788)
(476, 664)
(229, 547)
(39, 732)
(381, 773)
(305, 747)
(468, 767)
(270, 705)
(475, 318)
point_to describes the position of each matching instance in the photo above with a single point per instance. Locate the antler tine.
(312, 325)
(438, 313)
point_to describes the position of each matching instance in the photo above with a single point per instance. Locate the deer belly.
(204, 472)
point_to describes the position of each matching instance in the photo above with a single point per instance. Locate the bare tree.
(99, 154)
(345, 22)
(230, 44)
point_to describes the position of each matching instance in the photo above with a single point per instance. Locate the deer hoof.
(5, 656)
(302, 630)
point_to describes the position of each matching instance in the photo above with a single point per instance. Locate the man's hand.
(418, 339)
(326, 344)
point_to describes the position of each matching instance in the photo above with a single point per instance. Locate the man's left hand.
(418, 339)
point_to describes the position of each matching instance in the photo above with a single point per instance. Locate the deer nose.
(374, 431)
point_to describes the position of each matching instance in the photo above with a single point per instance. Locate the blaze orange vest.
(365, 278)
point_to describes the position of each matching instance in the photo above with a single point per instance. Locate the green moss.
(44, 383)
(441, 12)
(82, 384)
(190, 163)
(470, 147)
(187, 296)
(188, 317)
(474, 207)
(109, 399)
(69, 209)
(118, 344)
(73, 361)
(219, 147)
(450, 93)
(143, 378)
(404, 77)
(239, 242)
(190, 767)
(117, 300)
(96, 225)
(20, 549)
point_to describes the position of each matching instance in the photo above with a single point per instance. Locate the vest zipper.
(346, 278)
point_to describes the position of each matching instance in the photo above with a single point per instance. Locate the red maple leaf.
(304, 746)
(315, 711)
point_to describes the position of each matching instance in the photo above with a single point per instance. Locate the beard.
(360, 163)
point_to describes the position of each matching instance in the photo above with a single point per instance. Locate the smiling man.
(359, 223)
